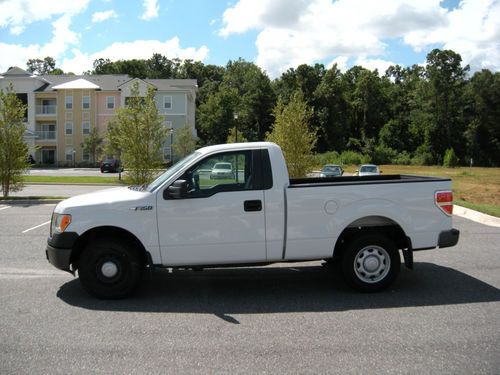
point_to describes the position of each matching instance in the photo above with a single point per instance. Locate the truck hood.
(103, 197)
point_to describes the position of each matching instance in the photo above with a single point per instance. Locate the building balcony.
(46, 109)
(45, 135)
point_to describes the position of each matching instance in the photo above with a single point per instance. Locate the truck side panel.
(317, 215)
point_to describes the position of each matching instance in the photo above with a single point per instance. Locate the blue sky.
(275, 34)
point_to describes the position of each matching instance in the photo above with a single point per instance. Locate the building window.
(68, 101)
(85, 102)
(68, 128)
(167, 102)
(110, 102)
(69, 154)
(85, 156)
(85, 127)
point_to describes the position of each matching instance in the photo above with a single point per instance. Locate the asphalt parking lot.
(443, 317)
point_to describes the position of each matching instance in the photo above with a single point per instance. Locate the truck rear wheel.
(371, 263)
(109, 268)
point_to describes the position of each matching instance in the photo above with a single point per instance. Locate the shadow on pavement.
(223, 292)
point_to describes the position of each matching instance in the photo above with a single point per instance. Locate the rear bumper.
(448, 238)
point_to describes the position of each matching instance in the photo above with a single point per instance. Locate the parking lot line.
(38, 226)
(4, 208)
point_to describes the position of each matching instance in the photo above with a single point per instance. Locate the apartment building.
(62, 109)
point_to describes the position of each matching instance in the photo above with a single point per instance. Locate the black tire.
(371, 263)
(109, 268)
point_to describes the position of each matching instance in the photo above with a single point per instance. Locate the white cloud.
(139, 49)
(372, 64)
(151, 9)
(103, 16)
(341, 62)
(292, 32)
(16, 14)
(473, 31)
(62, 39)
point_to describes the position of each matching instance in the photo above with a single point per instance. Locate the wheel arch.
(369, 225)
(115, 233)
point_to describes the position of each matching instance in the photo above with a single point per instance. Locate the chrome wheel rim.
(372, 264)
(109, 269)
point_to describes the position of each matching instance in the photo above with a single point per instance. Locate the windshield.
(369, 168)
(171, 171)
(331, 169)
(223, 166)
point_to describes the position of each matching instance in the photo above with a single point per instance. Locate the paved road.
(444, 317)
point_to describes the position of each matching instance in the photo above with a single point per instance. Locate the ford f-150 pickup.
(256, 215)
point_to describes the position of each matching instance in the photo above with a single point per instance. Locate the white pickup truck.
(255, 215)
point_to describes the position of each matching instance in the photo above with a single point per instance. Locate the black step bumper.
(448, 238)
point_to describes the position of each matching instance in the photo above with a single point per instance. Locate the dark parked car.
(111, 165)
(331, 170)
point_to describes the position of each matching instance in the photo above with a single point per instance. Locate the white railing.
(45, 134)
(46, 109)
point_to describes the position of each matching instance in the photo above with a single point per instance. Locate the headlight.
(59, 223)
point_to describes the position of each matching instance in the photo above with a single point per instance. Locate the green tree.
(330, 107)
(43, 66)
(13, 149)
(93, 145)
(139, 134)
(235, 136)
(446, 78)
(184, 142)
(291, 132)
(253, 98)
(216, 115)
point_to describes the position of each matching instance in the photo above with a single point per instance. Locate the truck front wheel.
(371, 263)
(109, 268)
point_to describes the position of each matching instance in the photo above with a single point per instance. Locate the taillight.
(444, 200)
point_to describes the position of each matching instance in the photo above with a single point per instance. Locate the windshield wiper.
(138, 187)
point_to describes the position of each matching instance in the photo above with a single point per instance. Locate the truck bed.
(354, 180)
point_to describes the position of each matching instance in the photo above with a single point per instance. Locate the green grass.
(474, 188)
(73, 180)
(484, 208)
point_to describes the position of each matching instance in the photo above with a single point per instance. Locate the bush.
(423, 156)
(450, 159)
(330, 157)
(383, 155)
(354, 158)
(403, 158)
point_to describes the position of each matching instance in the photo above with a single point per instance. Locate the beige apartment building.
(63, 109)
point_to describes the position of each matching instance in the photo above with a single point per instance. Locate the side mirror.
(178, 190)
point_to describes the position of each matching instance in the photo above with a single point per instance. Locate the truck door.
(221, 218)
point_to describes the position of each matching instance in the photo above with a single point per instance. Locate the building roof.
(167, 84)
(79, 83)
(104, 82)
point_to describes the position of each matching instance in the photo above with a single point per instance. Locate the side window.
(231, 171)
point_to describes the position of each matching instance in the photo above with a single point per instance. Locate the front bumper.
(59, 248)
(448, 238)
(59, 258)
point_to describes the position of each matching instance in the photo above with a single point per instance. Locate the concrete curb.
(478, 217)
(29, 202)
